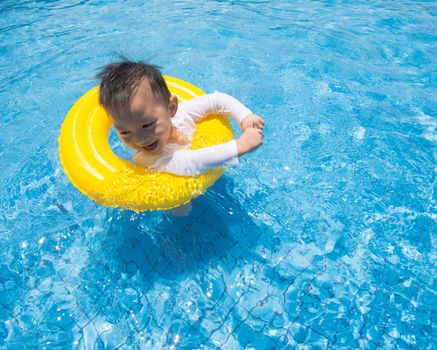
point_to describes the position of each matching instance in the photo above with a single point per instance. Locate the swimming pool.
(322, 238)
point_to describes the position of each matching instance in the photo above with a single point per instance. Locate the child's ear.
(173, 105)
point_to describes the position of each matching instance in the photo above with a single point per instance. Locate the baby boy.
(150, 121)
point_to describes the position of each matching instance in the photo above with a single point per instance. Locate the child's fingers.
(260, 120)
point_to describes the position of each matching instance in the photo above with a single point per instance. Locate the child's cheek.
(159, 131)
(127, 139)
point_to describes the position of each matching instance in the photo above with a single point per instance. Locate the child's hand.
(252, 121)
(251, 139)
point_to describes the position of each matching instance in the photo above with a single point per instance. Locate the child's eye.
(124, 132)
(147, 125)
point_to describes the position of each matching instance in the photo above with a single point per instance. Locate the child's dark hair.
(119, 80)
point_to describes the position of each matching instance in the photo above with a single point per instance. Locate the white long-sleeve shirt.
(178, 159)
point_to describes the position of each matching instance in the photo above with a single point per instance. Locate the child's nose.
(144, 141)
(142, 136)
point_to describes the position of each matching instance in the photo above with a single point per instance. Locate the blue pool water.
(323, 238)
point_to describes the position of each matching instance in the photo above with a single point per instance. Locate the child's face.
(147, 125)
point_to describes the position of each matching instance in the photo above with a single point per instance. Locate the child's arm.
(218, 102)
(195, 162)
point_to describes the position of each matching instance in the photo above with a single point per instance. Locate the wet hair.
(119, 80)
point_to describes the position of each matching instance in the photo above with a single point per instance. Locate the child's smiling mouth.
(152, 146)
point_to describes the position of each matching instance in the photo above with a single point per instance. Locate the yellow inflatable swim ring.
(97, 172)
